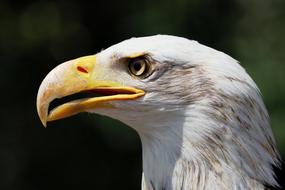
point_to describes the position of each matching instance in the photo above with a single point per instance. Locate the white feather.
(221, 140)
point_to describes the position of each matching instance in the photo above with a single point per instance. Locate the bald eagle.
(199, 115)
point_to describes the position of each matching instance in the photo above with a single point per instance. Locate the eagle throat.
(213, 143)
(201, 163)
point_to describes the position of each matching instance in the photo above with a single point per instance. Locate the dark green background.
(91, 152)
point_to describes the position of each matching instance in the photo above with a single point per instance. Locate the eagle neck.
(174, 159)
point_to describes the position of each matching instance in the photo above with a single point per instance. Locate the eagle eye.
(138, 66)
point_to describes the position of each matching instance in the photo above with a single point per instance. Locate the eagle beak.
(76, 76)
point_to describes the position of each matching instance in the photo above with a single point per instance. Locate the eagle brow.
(123, 58)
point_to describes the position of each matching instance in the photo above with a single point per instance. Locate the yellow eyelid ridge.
(135, 55)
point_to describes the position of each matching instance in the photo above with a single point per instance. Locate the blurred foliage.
(89, 151)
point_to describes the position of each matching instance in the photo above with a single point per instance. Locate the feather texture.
(202, 122)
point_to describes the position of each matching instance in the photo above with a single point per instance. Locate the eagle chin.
(200, 117)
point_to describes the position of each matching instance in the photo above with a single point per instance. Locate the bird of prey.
(200, 117)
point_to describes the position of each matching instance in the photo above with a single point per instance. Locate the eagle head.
(200, 117)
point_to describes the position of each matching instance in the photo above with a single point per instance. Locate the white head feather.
(202, 122)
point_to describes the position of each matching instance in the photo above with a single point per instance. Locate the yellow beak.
(79, 75)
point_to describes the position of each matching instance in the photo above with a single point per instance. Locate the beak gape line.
(69, 85)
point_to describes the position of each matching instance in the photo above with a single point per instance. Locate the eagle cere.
(200, 117)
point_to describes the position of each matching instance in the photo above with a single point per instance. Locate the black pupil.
(137, 65)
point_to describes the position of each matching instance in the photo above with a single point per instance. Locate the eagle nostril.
(82, 69)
